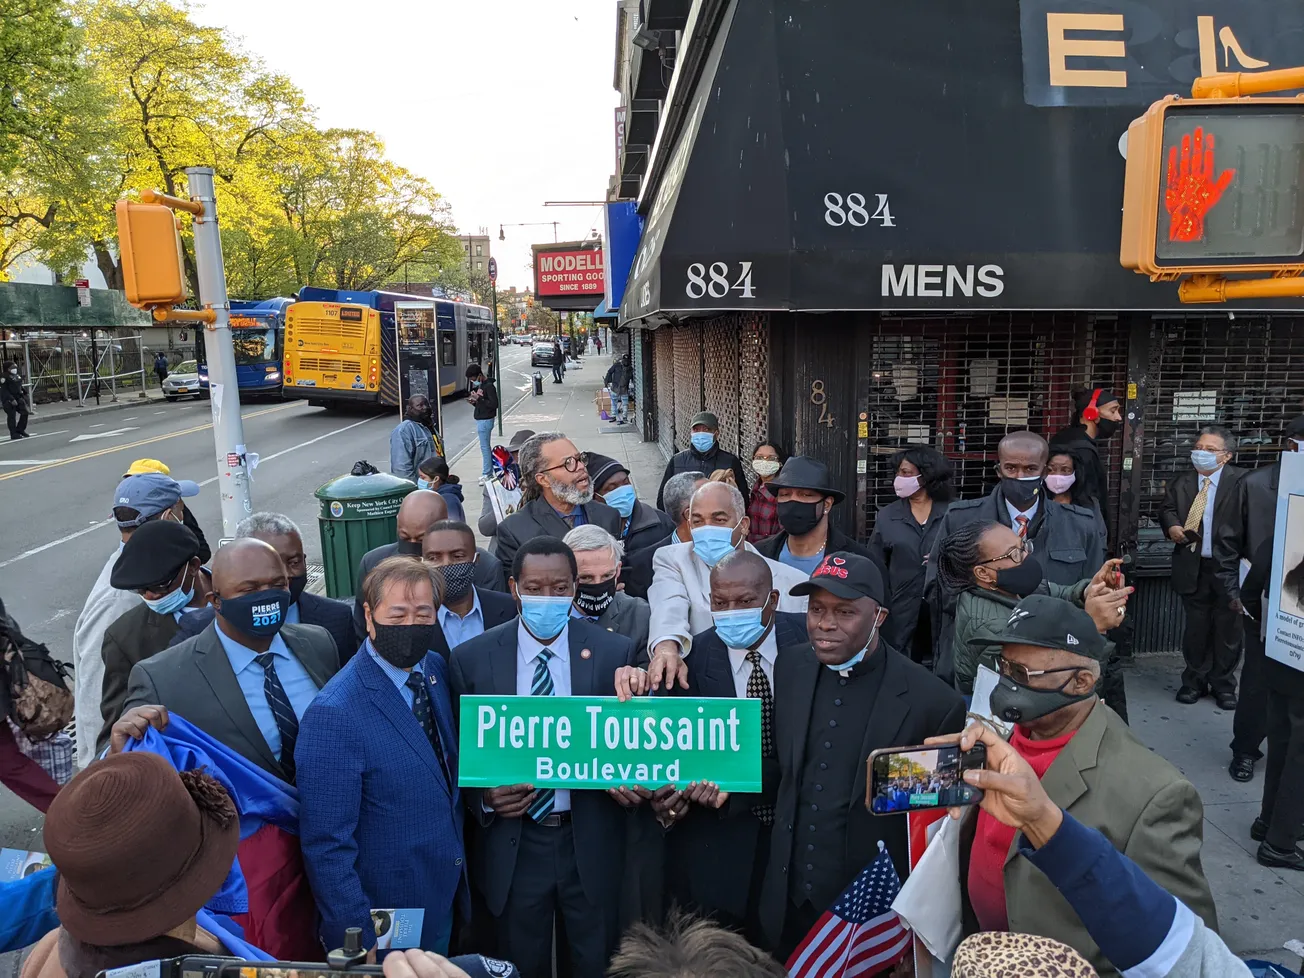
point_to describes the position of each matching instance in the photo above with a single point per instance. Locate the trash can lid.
(380, 485)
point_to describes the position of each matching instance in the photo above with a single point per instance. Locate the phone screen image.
(915, 780)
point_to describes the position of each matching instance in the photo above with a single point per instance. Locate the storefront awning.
(859, 156)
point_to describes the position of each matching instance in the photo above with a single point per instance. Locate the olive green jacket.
(976, 611)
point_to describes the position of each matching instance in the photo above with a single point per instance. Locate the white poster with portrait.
(1285, 626)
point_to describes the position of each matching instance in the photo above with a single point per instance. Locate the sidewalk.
(567, 407)
(67, 410)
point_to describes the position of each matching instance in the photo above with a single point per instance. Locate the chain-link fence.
(79, 367)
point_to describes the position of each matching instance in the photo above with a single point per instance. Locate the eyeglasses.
(571, 463)
(1015, 554)
(1022, 674)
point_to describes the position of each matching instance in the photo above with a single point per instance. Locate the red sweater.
(992, 840)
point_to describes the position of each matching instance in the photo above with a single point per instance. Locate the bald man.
(419, 510)
(1066, 543)
(248, 677)
(719, 844)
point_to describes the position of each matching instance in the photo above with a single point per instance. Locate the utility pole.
(228, 426)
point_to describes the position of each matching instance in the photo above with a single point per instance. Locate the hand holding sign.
(707, 794)
(512, 801)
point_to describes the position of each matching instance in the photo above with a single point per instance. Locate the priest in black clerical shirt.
(839, 697)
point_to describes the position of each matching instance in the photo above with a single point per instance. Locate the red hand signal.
(1191, 191)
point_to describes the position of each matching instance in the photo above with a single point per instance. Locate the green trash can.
(358, 513)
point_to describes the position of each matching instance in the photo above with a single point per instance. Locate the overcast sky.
(500, 104)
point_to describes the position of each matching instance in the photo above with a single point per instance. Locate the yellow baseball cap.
(144, 466)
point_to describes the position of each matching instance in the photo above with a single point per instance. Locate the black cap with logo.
(845, 575)
(1048, 623)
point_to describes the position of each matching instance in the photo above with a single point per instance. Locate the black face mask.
(1020, 492)
(408, 548)
(1021, 579)
(297, 584)
(1107, 428)
(594, 599)
(1016, 703)
(261, 613)
(799, 518)
(402, 645)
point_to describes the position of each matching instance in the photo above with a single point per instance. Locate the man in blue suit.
(544, 851)
(282, 533)
(380, 814)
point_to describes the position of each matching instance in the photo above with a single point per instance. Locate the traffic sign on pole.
(493, 271)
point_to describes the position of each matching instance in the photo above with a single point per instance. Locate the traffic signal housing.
(1215, 187)
(153, 275)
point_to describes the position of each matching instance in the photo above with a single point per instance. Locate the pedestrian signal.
(152, 270)
(1215, 186)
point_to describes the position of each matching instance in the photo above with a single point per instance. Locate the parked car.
(183, 381)
(541, 355)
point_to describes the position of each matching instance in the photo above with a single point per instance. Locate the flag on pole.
(861, 934)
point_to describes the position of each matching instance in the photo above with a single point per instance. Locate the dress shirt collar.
(445, 612)
(242, 657)
(768, 648)
(1213, 477)
(528, 647)
(397, 676)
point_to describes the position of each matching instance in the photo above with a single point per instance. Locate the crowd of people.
(287, 764)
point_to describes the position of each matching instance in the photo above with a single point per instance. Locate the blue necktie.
(286, 721)
(542, 686)
(425, 715)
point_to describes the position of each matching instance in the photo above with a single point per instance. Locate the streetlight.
(503, 237)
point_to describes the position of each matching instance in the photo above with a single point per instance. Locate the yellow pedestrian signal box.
(152, 271)
(1215, 187)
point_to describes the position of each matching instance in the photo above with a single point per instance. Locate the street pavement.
(56, 542)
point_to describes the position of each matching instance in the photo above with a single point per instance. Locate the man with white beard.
(557, 496)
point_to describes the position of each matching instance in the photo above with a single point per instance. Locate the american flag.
(861, 934)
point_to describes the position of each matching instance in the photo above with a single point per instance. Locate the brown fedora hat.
(139, 848)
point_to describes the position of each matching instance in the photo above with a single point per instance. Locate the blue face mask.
(545, 616)
(703, 441)
(1204, 461)
(742, 628)
(261, 613)
(622, 500)
(856, 659)
(425, 484)
(711, 543)
(173, 602)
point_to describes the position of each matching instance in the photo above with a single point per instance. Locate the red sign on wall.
(572, 272)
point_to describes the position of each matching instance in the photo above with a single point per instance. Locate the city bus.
(258, 338)
(381, 347)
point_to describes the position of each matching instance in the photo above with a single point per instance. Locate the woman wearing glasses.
(989, 568)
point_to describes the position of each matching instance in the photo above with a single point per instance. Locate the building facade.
(476, 249)
(868, 227)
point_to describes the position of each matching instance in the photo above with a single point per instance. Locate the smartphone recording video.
(912, 779)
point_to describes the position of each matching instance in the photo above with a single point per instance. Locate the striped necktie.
(542, 686)
(282, 712)
(1023, 526)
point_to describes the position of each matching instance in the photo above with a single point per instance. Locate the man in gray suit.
(557, 493)
(597, 597)
(247, 678)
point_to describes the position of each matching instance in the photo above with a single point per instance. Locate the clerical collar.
(864, 667)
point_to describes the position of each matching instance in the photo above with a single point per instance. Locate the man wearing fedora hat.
(139, 849)
(806, 496)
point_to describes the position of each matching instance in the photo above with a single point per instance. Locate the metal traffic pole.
(498, 369)
(228, 427)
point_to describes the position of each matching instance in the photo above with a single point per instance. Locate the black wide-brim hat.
(803, 472)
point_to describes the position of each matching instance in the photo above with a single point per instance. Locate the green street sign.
(599, 742)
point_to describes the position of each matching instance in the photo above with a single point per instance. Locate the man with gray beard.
(557, 496)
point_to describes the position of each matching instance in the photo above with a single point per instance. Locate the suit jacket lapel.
(547, 518)
(215, 667)
(502, 664)
(581, 667)
(305, 652)
(1063, 780)
(717, 675)
(389, 701)
(888, 716)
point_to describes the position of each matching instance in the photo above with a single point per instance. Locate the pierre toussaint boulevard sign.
(599, 742)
